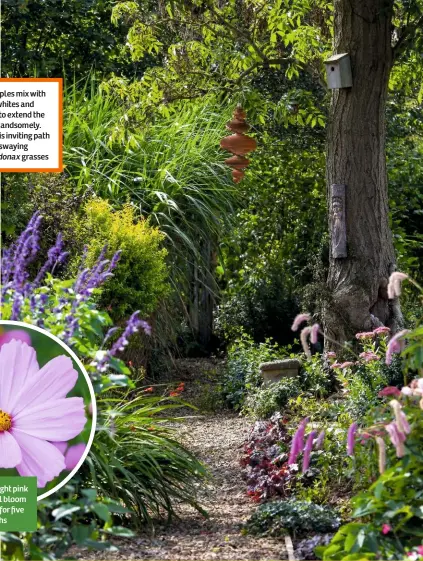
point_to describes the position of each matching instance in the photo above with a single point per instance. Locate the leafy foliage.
(141, 280)
(299, 517)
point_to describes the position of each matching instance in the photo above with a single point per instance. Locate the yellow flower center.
(5, 421)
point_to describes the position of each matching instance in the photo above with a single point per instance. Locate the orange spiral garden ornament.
(238, 144)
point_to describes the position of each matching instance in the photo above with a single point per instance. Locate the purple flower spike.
(351, 438)
(307, 450)
(320, 440)
(297, 442)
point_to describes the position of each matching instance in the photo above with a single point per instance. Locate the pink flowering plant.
(42, 413)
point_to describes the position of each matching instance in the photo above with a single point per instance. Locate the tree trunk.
(357, 299)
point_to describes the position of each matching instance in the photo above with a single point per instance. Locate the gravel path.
(217, 440)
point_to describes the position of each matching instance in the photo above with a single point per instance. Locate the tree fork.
(356, 158)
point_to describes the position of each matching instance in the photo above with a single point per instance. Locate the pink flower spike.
(397, 438)
(394, 285)
(314, 333)
(300, 318)
(351, 439)
(297, 442)
(36, 411)
(347, 364)
(307, 450)
(303, 338)
(382, 454)
(320, 440)
(386, 528)
(395, 345)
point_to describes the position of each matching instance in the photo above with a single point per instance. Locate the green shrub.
(141, 279)
(242, 371)
(297, 517)
(264, 401)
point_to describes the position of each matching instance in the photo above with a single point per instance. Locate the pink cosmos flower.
(34, 411)
(18, 334)
(299, 319)
(394, 285)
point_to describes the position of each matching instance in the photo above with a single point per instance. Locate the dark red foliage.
(265, 460)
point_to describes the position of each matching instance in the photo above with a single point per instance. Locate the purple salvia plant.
(133, 325)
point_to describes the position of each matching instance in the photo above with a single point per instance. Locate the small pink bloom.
(369, 356)
(300, 318)
(386, 528)
(380, 330)
(420, 550)
(331, 354)
(365, 335)
(346, 364)
(335, 365)
(389, 390)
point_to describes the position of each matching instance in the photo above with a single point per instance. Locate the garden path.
(216, 438)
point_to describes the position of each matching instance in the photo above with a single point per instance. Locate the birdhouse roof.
(335, 58)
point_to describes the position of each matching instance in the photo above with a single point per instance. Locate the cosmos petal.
(61, 419)
(53, 381)
(10, 452)
(39, 458)
(18, 363)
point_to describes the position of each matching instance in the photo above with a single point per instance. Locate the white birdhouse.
(338, 71)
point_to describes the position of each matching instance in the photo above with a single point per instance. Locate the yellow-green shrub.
(141, 278)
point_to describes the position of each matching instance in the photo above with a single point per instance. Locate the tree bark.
(357, 296)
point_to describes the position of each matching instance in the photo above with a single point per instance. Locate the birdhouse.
(338, 71)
